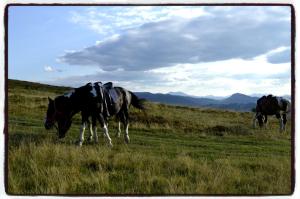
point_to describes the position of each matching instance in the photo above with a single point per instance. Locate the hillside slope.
(238, 102)
(173, 150)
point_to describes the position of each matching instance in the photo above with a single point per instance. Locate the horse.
(271, 105)
(96, 101)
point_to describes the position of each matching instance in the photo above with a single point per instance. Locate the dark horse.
(271, 105)
(96, 101)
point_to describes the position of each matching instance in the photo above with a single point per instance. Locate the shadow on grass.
(221, 130)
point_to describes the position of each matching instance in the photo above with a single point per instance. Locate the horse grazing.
(96, 101)
(271, 105)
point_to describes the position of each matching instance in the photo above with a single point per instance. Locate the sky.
(198, 50)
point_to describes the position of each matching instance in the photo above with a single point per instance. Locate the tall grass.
(173, 150)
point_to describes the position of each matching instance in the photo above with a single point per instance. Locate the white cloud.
(227, 77)
(126, 17)
(48, 69)
(206, 38)
(51, 69)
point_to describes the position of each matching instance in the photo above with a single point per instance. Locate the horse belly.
(270, 112)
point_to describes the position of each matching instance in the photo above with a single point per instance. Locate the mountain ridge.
(236, 101)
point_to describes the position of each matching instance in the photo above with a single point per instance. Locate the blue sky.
(193, 49)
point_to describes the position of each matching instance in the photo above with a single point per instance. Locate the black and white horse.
(271, 105)
(95, 101)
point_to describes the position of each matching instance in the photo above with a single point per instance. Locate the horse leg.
(278, 116)
(119, 130)
(105, 129)
(266, 121)
(284, 121)
(126, 136)
(94, 125)
(81, 135)
(91, 131)
(118, 134)
(126, 125)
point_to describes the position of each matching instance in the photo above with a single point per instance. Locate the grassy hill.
(173, 150)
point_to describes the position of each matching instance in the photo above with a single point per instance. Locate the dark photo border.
(292, 37)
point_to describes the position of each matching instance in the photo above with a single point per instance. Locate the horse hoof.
(118, 135)
(110, 145)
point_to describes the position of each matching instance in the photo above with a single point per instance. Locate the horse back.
(270, 105)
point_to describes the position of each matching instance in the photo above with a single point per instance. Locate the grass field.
(173, 150)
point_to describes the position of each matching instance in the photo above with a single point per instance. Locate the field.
(173, 150)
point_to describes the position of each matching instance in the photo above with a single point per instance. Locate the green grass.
(173, 150)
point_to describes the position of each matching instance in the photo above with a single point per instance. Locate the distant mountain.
(214, 97)
(239, 99)
(179, 94)
(206, 96)
(239, 102)
(175, 99)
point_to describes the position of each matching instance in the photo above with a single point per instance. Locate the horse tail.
(139, 103)
(136, 102)
(287, 106)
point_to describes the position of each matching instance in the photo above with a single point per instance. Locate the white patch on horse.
(99, 84)
(91, 132)
(119, 130)
(93, 91)
(81, 135)
(69, 94)
(113, 94)
(126, 136)
(105, 131)
(281, 124)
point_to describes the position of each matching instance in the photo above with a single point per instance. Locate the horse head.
(50, 115)
(59, 110)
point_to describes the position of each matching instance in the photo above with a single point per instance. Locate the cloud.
(282, 56)
(222, 33)
(119, 76)
(48, 69)
(51, 69)
(121, 18)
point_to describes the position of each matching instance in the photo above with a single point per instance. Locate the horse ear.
(50, 100)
